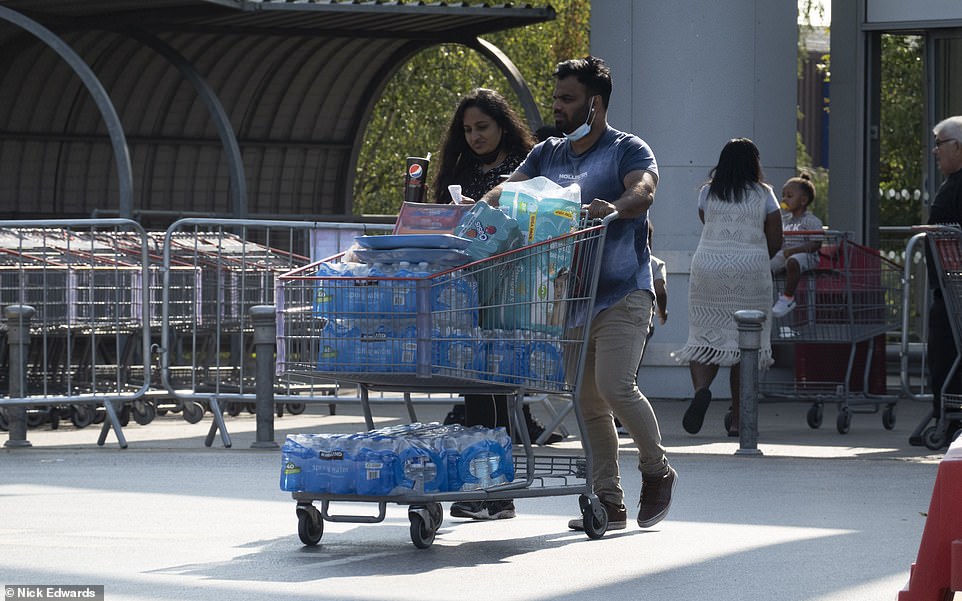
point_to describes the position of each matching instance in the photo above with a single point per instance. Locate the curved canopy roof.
(213, 107)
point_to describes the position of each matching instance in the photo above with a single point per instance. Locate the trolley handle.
(586, 221)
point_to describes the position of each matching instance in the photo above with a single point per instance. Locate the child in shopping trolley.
(798, 253)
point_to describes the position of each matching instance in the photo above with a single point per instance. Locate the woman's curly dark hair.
(456, 156)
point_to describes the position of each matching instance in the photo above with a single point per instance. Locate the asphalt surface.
(819, 516)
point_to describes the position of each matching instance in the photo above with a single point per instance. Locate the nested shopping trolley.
(845, 306)
(511, 324)
(945, 250)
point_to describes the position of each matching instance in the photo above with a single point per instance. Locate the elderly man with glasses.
(946, 209)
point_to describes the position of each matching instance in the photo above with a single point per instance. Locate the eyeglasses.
(939, 143)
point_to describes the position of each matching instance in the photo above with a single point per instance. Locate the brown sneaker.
(617, 518)
(655, 498)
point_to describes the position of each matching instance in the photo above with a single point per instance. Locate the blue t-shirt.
(600, 171)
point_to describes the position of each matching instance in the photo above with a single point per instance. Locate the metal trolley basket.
(945, 246)
(845, 306)
(509, 324)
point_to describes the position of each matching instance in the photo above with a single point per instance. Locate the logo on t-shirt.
(573, 177)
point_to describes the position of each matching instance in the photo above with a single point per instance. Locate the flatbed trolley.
(945, 245)
(845, 307)
(509, 324)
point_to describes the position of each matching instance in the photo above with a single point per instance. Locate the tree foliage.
(902, 129)
(413, 112)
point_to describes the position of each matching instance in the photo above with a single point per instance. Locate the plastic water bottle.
(419, 466)
(545, 361)
(335, 464)
(454, 301)
(338, 346)
(486, 461)
(295, 457)
(376, 464)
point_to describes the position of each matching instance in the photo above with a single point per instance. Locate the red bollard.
(937, 570)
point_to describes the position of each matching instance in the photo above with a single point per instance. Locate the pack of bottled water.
(371, 321)
(409, 459)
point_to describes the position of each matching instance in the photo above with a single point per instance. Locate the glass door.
(944, 74)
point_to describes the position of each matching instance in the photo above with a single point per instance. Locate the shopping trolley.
(945, 246)
(844, 308)
(509, 324)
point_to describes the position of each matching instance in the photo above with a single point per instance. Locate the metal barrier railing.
(77, 292)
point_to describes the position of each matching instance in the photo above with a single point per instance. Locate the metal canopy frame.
(314, 71)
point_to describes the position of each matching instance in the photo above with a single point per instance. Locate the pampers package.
(542, 208)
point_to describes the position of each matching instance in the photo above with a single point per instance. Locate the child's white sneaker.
(783, 306)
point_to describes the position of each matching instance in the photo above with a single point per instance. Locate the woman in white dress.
(729, 271)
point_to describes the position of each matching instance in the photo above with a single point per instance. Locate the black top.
(947, 209)
(475, 183)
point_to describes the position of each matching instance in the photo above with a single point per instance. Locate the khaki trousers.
(609, 387)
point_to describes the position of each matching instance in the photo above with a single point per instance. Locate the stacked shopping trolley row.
(108, 298)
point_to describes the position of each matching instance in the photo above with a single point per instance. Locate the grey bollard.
(265, 332)
(749, 341)
(18, 341)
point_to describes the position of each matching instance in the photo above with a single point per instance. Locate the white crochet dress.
(729, 272)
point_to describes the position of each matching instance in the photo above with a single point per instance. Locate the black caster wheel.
(124, 415)
(193, 412)
(295, 408)
(933, 438)
(36, 416)
(143, 412)
(422, 535)
(888, 417)
(233, 409)
(814, 417)
(4, 421)
(310, 525)
(844, 421)
(81, 416)
(728, 420)
(594, 517)
(54, 418)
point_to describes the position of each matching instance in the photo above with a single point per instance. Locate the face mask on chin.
(585, 128)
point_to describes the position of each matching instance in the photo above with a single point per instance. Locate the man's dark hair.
(592, 72)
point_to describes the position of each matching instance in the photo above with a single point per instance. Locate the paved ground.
(819, 516)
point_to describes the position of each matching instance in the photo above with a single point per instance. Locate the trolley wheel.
(843, 423)
(144, 412)
(233, 409)
(54, 417)
(4, 422)
(437, 514)
(594, 518)
(310, 525)
(728, 420)
(295, 408)
(888, 417)
(422, 535)
(81, 416)
(124, 415)
(36, 417)
(814, 416)
(192, 412)
(932, 438)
